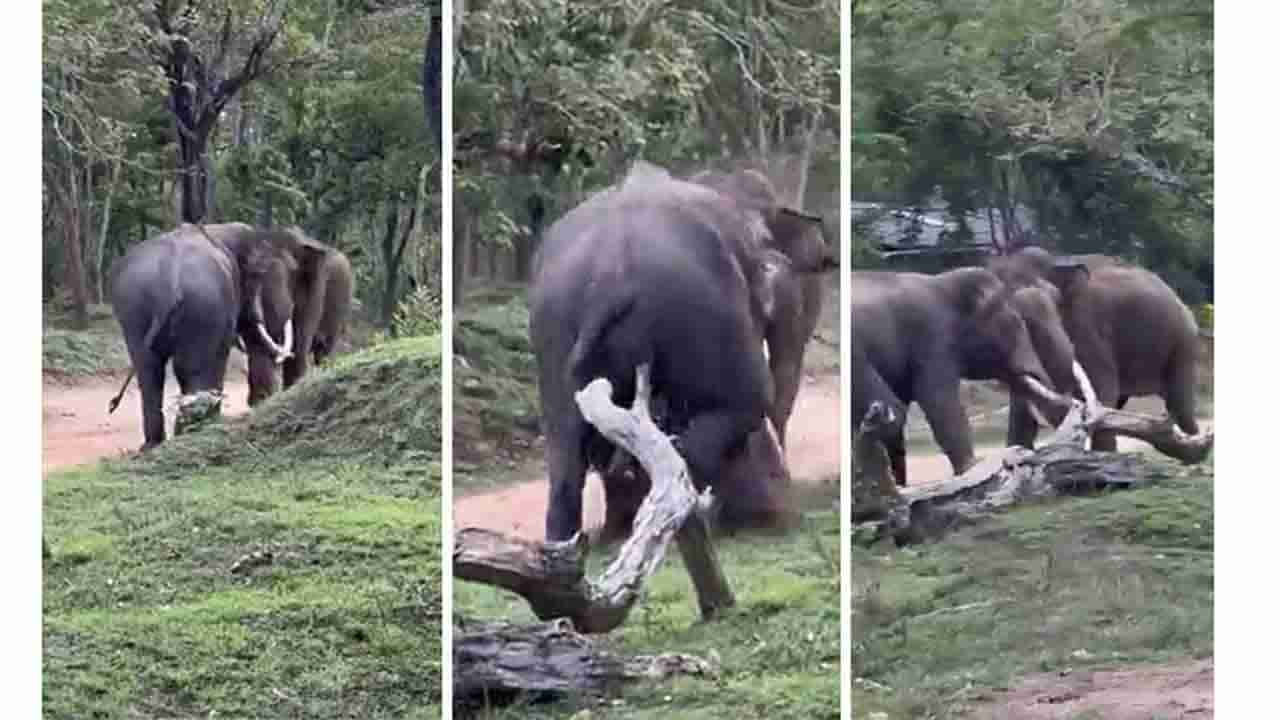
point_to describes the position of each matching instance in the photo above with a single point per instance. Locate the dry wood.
(1063, 464)
(494, 661)
(552, 577)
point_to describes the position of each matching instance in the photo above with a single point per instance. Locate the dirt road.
(78, 430)
(813, 454)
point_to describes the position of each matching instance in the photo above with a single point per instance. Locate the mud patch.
(1183, 690)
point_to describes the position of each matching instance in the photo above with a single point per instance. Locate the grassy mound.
(495, 414)
(284, 565)
(1117, 579)
(778, 650)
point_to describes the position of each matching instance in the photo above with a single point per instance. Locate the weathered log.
(1063, 465)
(493, 662)
(552, 576)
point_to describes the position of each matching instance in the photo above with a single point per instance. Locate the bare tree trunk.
(99, 260)
(73, 246)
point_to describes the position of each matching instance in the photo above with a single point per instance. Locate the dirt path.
(78, 430)
(1183, 690)
(813, 454)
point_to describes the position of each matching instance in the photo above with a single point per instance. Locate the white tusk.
(1086, 387)
(287, 350)
(1044, 394)
(765, 347)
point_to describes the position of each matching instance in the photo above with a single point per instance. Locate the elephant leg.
(896, 446)
(786, 385)
(1106, 386)
(708, 439)
(567, 466)
(940, 400)
(1023, 427)
(296, 367)
(1180, 397)
(151, 384)
(202, 366)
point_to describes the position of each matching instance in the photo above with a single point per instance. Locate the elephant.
(183, 297)
(922, 334)
(670, 273)
(1131, 333)
(308, 288)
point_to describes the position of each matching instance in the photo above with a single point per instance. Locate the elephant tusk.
(1043, 394)
(764, 346)
(287, 350)
(1086, 387)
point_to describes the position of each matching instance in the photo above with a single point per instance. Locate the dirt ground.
(1169, 692)
(78, 430)
(813, 455)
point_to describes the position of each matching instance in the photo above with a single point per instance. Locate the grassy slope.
(1115, 579)
(779, 649)
(339, 479)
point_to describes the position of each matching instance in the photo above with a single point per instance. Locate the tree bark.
(492, 662)
(502, 659)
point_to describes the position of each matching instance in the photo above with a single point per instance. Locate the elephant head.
(796, 234)
(278, 270)
(995, 340)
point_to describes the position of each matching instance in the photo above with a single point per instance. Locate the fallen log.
(551, 577)
(1062, 465)
(493, 662)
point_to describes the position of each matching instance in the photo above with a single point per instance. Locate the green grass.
(339, 480)
(1125, 577)
(71, 354)
(778, 649)
(495, 393)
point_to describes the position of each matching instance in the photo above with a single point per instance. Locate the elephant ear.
(309, 254)
(801, 238)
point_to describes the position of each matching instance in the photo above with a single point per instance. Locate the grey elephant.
(922, 334)
(187, 295)
(1130, 332)
(306, 295)
(669, 273)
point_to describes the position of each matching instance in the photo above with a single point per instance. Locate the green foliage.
(682, 84)
(334, 607)
(331, 139)
(496, 414)
(1096, 117)
(419, 314)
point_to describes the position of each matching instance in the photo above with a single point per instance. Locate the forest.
(269, 112)
(1082, 125)
(554, 100)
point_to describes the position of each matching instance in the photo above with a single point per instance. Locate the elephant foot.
(148, 447)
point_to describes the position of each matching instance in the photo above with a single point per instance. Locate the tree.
(198, 48)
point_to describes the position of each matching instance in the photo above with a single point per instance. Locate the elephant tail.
(160, 321)
(592, 338)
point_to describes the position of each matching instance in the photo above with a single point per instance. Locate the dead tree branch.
(1062, 465)
(551, 576)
